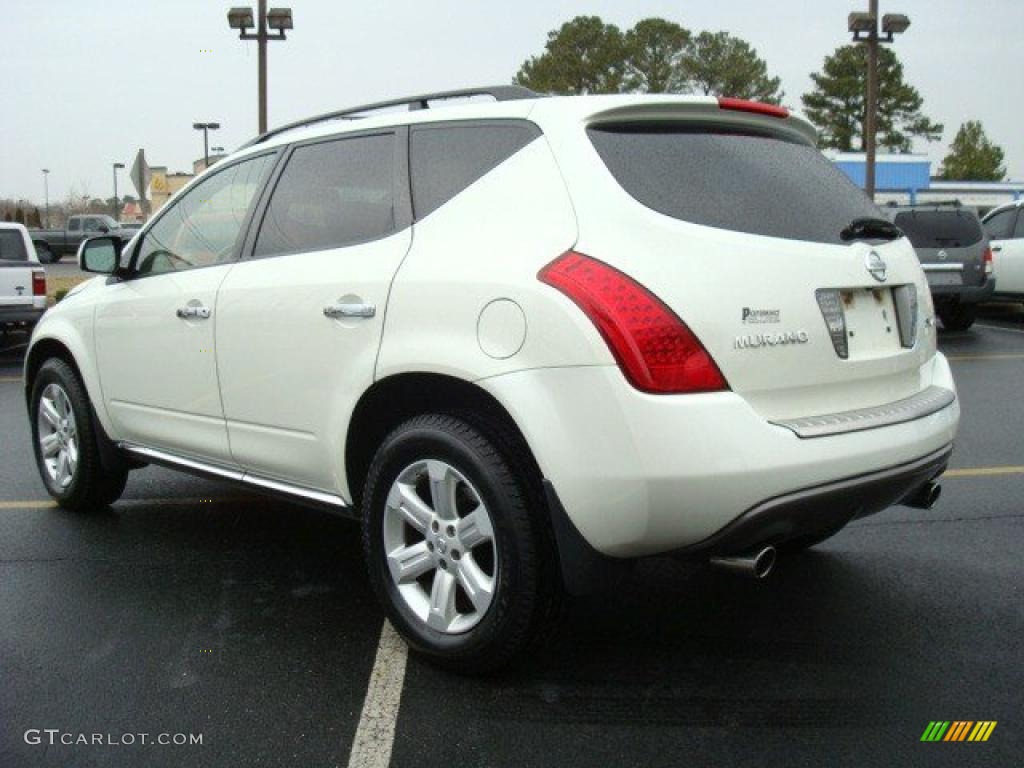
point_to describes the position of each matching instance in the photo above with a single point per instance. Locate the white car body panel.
(288, 420)
(158, 371)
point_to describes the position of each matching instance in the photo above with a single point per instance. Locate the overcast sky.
(88, 82)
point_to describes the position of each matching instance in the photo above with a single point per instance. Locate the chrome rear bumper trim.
(922, 404)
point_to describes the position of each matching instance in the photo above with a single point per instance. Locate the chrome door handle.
(191, 312)
(350, 310)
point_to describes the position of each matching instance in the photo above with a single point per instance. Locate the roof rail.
(499, 92)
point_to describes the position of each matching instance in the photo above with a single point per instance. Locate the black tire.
(44, 254)
(526, 586)
(958, 317)
(92, 486)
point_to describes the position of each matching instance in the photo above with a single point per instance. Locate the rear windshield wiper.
(869, 228)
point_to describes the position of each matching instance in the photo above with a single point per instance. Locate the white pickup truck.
(22, 281)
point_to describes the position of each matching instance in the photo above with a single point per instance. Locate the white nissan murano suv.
(524, 342)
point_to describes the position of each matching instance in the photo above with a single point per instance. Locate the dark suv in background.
(955, 255)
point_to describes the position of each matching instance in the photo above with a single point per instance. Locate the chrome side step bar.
(296, 493)
(924, 403)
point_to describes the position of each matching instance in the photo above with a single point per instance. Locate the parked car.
(955, 255)
(52, 245)
(22, 282)
(1005, 228)
(524, 343)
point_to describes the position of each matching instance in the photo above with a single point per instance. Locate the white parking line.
(375, 734)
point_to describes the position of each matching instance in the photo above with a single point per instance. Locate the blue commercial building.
(907, 178)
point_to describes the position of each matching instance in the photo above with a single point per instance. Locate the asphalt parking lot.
(190, 607)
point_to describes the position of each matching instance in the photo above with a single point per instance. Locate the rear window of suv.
(735, 180)
(12, 246)
(940, 229)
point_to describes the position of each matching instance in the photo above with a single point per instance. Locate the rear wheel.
(958, 317)
(44, 254)
(65, 442)
(454, 550)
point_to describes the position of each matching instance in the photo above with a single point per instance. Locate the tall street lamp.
(117, 208)
(864, 27)
(206, 128)
(46, 193)
(278, 19)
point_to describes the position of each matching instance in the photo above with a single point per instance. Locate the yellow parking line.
(27, 504)
(958, 358)
(9, 379)
(983, 471)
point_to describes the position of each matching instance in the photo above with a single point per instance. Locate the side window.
(1000, 226)
(447, 158)
(92, 224)
(75, 224)
(201, 228)
(331, 194)
(1019, 232)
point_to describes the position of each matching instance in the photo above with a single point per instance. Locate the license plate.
(871, 324)
(945, 278)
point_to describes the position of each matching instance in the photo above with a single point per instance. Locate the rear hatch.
(950, 244)
(15, 270)
(736, 222)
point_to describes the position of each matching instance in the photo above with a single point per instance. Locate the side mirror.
(100, 255)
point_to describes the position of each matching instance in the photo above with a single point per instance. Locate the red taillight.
(38, 282)
(987, 260)
(654, 348)
(757, 107)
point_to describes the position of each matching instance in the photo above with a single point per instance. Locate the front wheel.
(958, 317)
(65, 441)
(453, 550)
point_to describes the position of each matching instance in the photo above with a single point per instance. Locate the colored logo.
(958, 730)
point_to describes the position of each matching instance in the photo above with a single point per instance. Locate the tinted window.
(940, 229)
(448, 158)
(93, 224)
(1019, 232)
(1000, 226)
(201, 228)
(74, 224)
(731, 180)
(332, 194)
(12, 245)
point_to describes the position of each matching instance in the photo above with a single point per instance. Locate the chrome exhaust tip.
(756, 566)
(924, 497)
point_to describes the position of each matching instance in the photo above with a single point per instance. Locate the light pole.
(46, 194)
(117, 208)
(278, 19)
(206, 128)
(864, 27)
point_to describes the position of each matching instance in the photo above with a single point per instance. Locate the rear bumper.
(823, 508)
(965, 294)
(642, 474)
(20, 315)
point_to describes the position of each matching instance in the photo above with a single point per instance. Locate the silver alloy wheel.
(58, 435)
(440, 546)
